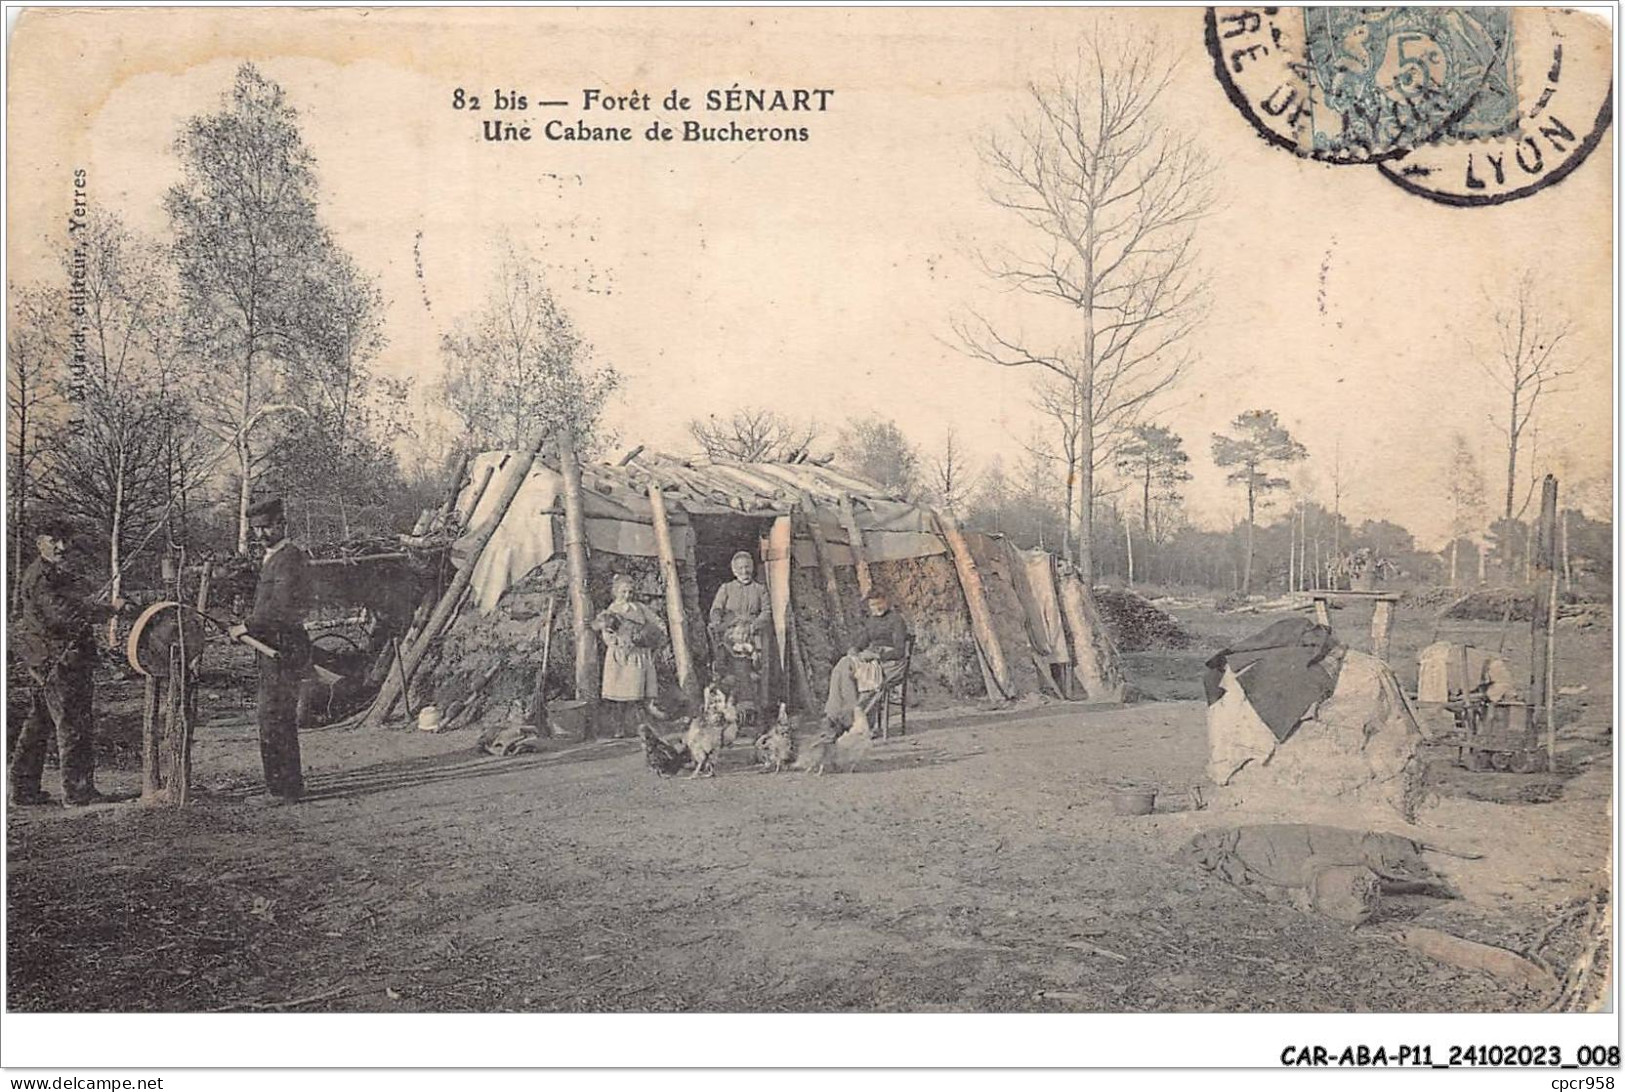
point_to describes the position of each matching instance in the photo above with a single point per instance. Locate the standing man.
(281, 600)
(56, 646)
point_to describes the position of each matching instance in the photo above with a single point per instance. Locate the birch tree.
(34, 347)
(247, 239)
(1110, 197)
(1523, 361)
(519, 363)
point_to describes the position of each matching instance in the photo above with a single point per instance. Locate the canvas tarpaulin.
(528, 536)
(1282, 671)
(1335, 871)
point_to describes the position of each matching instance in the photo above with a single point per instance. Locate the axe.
(321, 674)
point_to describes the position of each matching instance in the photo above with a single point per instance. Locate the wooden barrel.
(156, 630)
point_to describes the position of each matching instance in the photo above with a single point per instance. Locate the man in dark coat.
(281, 601)
(54, 640)
(874, 661)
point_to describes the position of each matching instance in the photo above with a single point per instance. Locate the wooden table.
(1382, 618)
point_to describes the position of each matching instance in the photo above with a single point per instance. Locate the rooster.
(662, 757)
(777, 745)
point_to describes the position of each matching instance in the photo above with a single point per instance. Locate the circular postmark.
(1565, 92)
(1366, 85)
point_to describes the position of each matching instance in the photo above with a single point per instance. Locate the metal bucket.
(1134, 801)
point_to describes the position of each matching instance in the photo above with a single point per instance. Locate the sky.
(823, 278)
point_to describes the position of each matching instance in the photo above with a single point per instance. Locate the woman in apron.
(631, 632)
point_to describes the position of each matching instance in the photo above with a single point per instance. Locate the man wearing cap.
(53, 636)
(281, 600)
(874, 660)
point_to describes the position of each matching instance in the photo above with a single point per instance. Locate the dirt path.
(960, 868)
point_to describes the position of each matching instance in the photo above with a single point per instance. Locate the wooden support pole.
(676, 619)
(981, 619)
(1543, 624)
(1094, 659)
(798, 661)
(1322, 614)
(538, 694)
(400, 677)
(1382, 628)
(1545, 558)
(832, 589)
(452, 599)
(854, 538)
(152, 779)
(575, 551)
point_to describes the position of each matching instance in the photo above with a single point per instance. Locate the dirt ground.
(974, 864)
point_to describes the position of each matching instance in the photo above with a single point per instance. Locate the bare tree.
(34, 344)
(876, 449)
(519, 363)
(1112, 197)
(753, 435)
(112, 471)
(1466, 489)
(953, 477)
(1523, 362)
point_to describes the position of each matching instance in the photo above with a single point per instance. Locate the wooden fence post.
(676, 619)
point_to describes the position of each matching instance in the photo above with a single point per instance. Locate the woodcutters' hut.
(987, 618)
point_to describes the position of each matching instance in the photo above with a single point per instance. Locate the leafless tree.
(753, 435)
(34, 345)
(953, 477)
(1523, 362)
(1466, 490)
(1111, 196)
(519, 362)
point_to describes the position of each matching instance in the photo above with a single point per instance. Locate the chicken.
(777, 745)
(703, 740)
(818, 752)
(662, 757)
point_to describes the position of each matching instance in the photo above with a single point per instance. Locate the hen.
(777, 745)
(703, 741)
(662, 757)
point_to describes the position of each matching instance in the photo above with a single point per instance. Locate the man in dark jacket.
(53, 637)
(875, 660)
(281, 601)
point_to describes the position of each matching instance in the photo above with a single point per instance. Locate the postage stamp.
(1393, 79)
(1466, 106)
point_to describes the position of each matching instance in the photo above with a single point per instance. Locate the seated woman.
(631, 632)
(874, 660)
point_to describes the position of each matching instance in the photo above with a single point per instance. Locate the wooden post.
(1322, 614)
(832, 589)
(203, 587)
(798, 662)
(1544, 553)
(400, 677)
(1094, 663)
(152, 779)
(690, 577)
(676, 620)
(981, 619)
(854, 538)
(575, 550)
(1382, 628)
(538, 694)
(461, 583)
